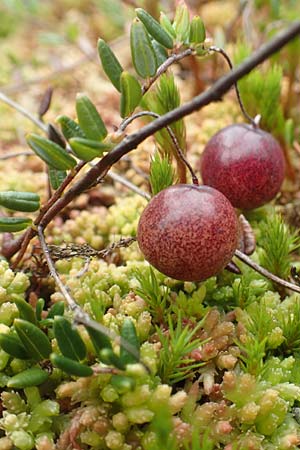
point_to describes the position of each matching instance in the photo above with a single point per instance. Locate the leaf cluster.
(178, 342)
(278, 242)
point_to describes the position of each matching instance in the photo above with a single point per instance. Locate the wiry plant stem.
(23, 111)
(174, 139)
(286, 284)
(228, 60)
(79, 315)
(175, 57)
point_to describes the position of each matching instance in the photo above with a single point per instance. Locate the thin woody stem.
(213, 94)
(286, 284)
(56, 195)
(172, 135)
(175, 57)
(79, 315)
(23, 111)
(246, 115)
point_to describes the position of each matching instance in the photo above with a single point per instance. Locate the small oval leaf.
(53, 155)
(181, 23)
(99, 340)
(197, 31)
(128, 334)
(70, 366)
(166, 24)
(12, 345)
(57, 309)
(29, 377)
(26, 311)
(160, 52)
(110, 63)
(56, 177)
(131, 94)
(36, 343)
(69, 340)
(108, 357)
(39, 308)
(12, 224)
(20, 201)
(69, 127)
(143, 55)
(87, 149)
(154, 28)
(89, 119)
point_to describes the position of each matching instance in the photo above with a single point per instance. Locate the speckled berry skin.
(188, 232)
(245, 164)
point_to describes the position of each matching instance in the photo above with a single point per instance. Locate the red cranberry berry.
(188, 232)
(245, 163)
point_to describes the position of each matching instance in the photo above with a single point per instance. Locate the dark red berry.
(188, 232)
(245, 163)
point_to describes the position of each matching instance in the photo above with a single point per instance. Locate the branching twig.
(79, 315)
(85, 250)
(175, 57)
(214, 93)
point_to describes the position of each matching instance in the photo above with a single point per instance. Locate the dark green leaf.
(20, 201)
(131, 94)
(36, 343)
(29, 377)
(12, 345)
(69, 127)
(70, 366)
(56, 310)
(56, 177)
(154, 28)
(26, 311)
(54, 155)
(160, 52)
(128, 334)
(69, 340)
(89, 119)
(99, 340)
(108, 357)
(142, 52)
(12, 224)
(110, 63)
(87, 149)
(39, 308)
